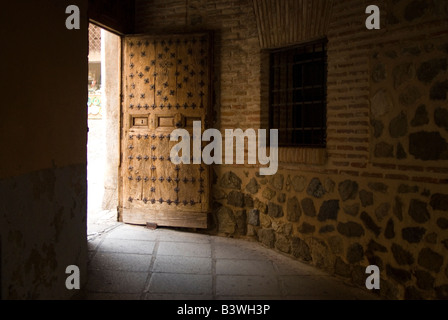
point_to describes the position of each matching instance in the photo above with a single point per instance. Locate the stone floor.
(133, 262)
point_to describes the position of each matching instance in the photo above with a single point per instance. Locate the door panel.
(166, 85)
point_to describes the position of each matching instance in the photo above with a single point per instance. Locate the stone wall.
(381, 194)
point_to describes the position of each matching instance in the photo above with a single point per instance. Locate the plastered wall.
(43, 136)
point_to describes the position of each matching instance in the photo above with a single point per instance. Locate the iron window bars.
(298, 94)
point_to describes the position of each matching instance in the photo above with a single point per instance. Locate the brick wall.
(380, 194)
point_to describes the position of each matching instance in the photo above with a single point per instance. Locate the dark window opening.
(298, 94)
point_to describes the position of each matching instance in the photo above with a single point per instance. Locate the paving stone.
(121, 261)
(232, 285)
(180, 283)
(182, 264)
(167, 235)
(128, 233)
(114, 281)
(184, 249)
(127, 246)
(182, 269)
(243, 267)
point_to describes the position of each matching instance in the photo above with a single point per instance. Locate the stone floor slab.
(121, 261)
(127, 246)
(181, 264)
(244, 267)
(131, 232)
(180, 284)
(227, 285)
(120, 282)
(184, 249)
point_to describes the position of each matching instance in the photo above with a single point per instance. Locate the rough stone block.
(267, 237)
(439, 201)
(254, 217)
(348, 189)
(315, 188)
(350, 229)
(401, 256)
(328, 210)
(293, 211)
(413, 234)
(274, 210)
(230, 180)
(253, 186)
(355, 253)
(418, 211)
(236, 199)
(300, 249)
(370, 224)
(308, 207)
(430, 260)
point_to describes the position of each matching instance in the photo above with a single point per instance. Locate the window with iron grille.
(298, 79)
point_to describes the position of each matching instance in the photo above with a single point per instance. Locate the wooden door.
(166, 85)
